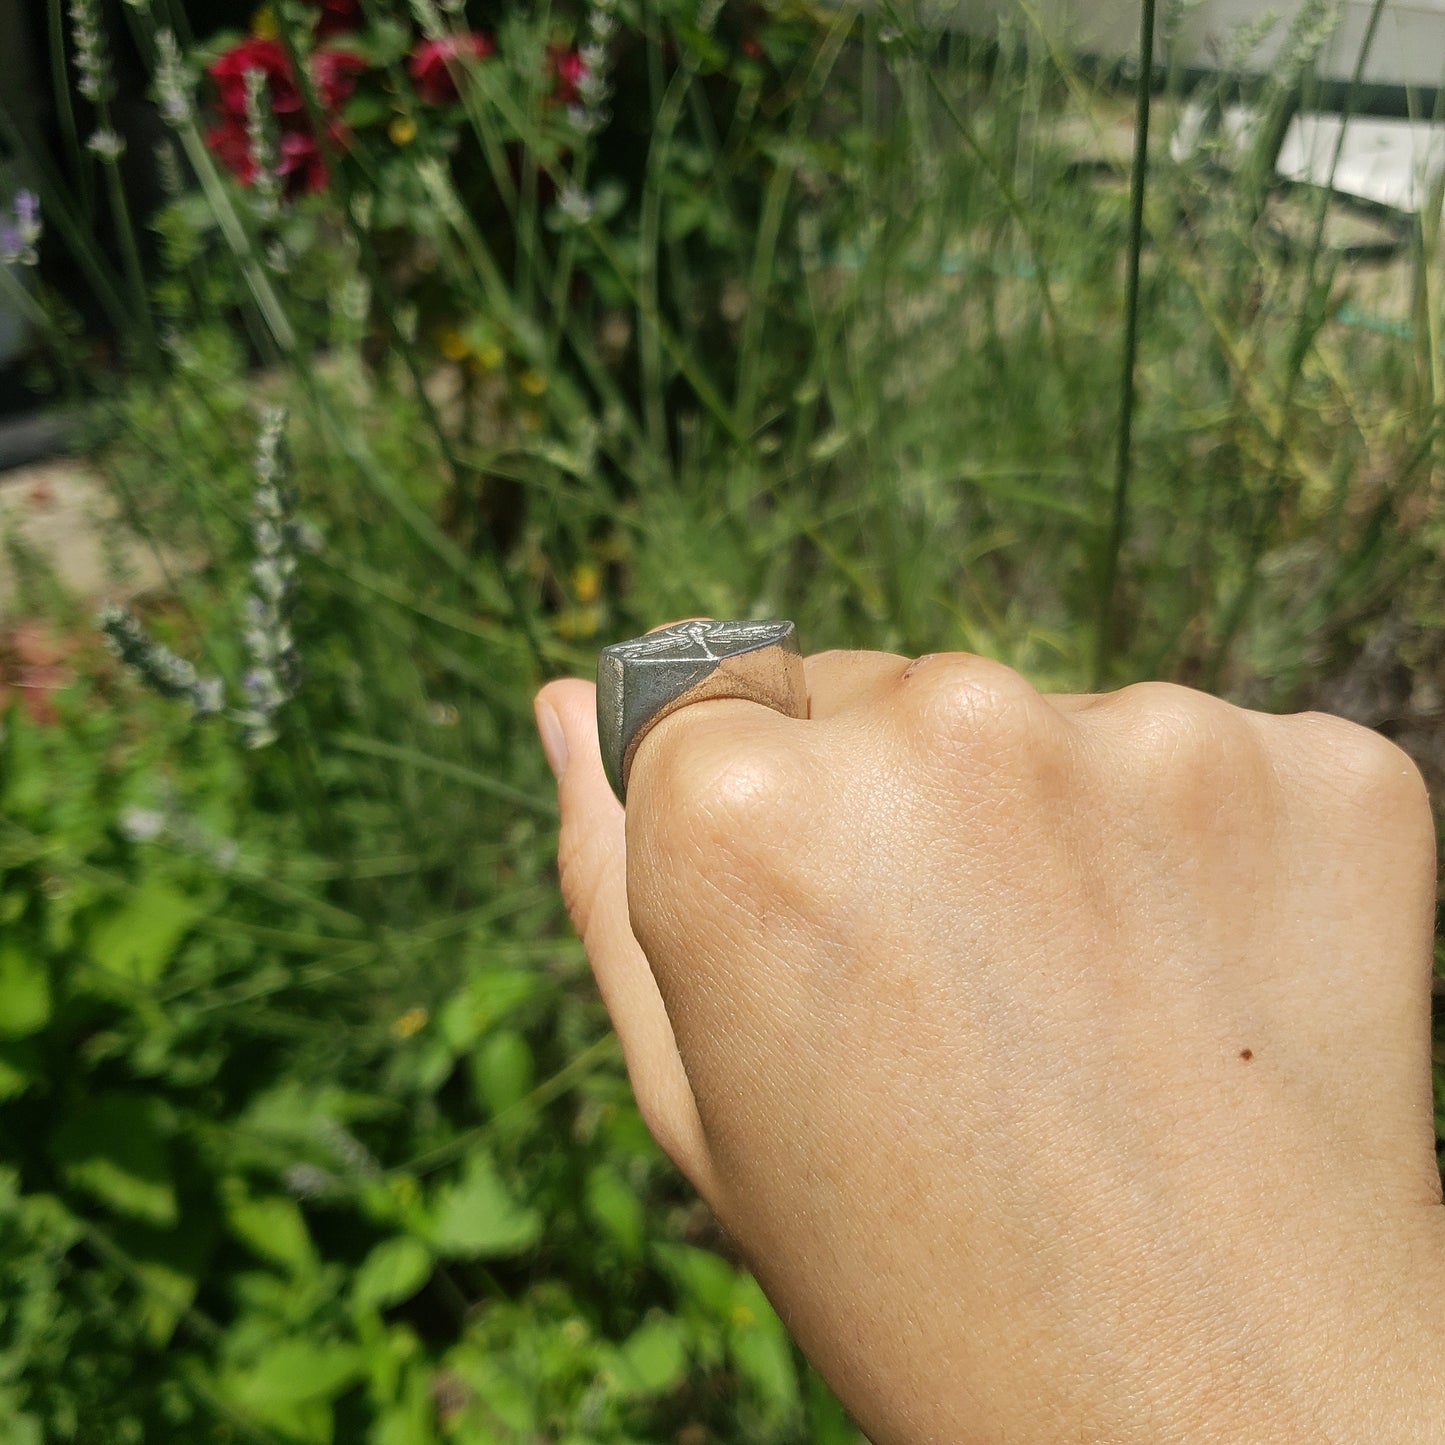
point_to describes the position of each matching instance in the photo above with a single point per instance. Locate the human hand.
(1060, 1064)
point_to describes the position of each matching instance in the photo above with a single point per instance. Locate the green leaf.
(761, 1349)
(651, 1361)
(24, 991)
(296, 1372)
(615, 1209)
(502, 1071)
(272, 1226)
(477, 1218)
(138, 939)
(485, 1001)
(702, 1278)
(168, 1265)
(113, 1149)
(19, 1068)
(394, 1271)
(364, 110)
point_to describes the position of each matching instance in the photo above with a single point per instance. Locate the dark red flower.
(338, 17)
(568, 68)
(433, 64)
(335, 72)
(751, 48)
(231, 145)
(270, 58)
(301, 164)
(300, 161)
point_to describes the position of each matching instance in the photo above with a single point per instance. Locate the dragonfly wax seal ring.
(640, 682)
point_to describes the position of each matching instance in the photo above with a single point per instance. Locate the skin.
(1060, 1064)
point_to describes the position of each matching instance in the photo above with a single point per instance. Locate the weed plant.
(450, 360)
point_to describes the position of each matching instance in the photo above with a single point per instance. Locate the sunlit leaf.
(394, 1271)
(651, 1361)
(112, 1148)
(476, 1217)
(24, 990)
(138, 939)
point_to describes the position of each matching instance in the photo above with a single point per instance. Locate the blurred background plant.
(582, 317)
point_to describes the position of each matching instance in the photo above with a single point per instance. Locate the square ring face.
(703, 641)
(640, 681)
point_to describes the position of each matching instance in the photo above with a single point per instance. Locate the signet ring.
(642, 681)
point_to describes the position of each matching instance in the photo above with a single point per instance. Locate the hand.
(1060, 1064)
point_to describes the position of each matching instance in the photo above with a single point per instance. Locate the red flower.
(300, 164)
(335, 72)
(751, 48)
(433, 64)
(568, 68)
(231, 145)
(338, 17)
(270, 58)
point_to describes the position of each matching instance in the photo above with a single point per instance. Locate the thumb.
(592, 864)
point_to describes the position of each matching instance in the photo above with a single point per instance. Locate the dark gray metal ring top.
(640, 682)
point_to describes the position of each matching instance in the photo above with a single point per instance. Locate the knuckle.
(1187, 749)
(712, 791)
(1362, 766)
(960, 702)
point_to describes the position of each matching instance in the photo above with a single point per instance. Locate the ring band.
(641, 681)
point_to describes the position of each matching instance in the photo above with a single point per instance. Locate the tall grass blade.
(1124, 463)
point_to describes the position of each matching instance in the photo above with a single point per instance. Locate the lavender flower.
(575, 206)
(107, 144)
(589, 113)
(157, 666)
(174, 84)
(168, 168)
(261, 139)
(92, 65)
(275, 671)
(20, 241)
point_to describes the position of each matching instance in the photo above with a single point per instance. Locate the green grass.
(313, 1128)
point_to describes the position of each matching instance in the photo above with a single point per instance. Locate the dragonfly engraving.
(698, 641)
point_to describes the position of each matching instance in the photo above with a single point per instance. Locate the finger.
(840, 681)
(592, 862)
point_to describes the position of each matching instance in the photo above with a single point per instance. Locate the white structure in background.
(1408, 50)
(1397, 163)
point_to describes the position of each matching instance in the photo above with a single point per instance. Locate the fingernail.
(554, 740)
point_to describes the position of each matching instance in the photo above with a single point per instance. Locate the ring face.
(640, 682)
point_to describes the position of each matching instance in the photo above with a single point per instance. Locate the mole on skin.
(1246, 1054)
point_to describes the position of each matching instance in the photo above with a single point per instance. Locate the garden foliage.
(469, 337)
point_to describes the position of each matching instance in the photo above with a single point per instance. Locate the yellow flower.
(489, 356)
(532, 382)
(263, 24)
(579, 622)
(453, 344)
(402, 130)
(413, 1021)
(587, 583)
